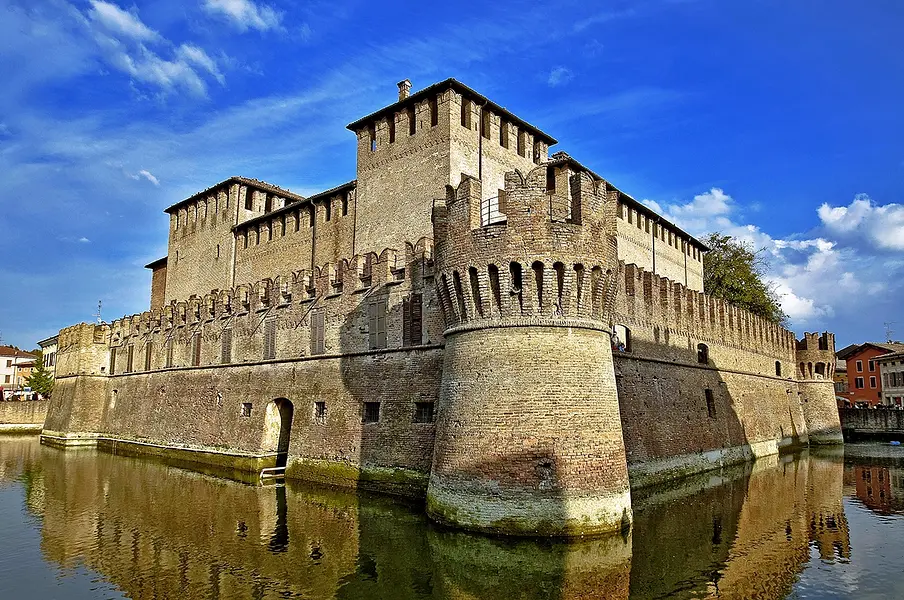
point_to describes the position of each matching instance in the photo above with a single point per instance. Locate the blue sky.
(779, 122)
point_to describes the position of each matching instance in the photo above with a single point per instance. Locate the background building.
(864, 381)
(11, 358)
(891, 369)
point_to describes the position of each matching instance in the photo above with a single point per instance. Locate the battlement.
(550, 253)
(83, 350)
(362, 273)
(668, 306)
(816, 356)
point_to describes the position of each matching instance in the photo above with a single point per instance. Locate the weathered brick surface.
(32, 412)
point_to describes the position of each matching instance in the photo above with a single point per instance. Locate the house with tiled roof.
(864, 377)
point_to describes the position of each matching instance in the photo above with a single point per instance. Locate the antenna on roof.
(889, 331)
(100, 305)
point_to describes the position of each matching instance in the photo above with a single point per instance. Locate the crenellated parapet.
(546, 251)
(650, 301)
(815, 370)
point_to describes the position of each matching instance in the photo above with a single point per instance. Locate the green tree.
(733, 270)
(41, 379)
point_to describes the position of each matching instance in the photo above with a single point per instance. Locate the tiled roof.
(10, 351)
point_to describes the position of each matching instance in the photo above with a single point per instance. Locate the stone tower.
(815, 368)
(529, 436)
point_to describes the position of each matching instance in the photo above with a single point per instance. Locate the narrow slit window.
(327, 210)
(710, 404)
(519, 137)
(475, 290)
(412, 121)
(538, 268)
(249, 199)
(503, 133)
(317, 332)
(344, 205)
(434, 112)
(196, 350)
(390, 124)
(459, 295)
(517, 283)
(412, 320)
(466, 113)
(129, 357)
(485, 123)
(493, 272)
(148, 355)
(270, 340)
(778, 368)
(550, 179)
(226, 347)
(372, 137)
(320, 412)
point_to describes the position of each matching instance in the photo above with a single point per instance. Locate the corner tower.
(529, 437)
(815, 367)
(410, 150)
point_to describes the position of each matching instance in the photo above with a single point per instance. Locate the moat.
(87, 524)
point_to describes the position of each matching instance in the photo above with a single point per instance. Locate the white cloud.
(880, 225)
(116, 20)
(245, 14)
(84, 240)
(144, 173)
(560, 76)
(125, 43)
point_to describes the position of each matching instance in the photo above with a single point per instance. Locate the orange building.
(864, 382)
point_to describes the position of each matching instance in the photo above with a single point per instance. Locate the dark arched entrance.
(279, 428)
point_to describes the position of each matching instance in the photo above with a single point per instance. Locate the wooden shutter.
(113, 361)
(169, 353)
(412, 320)
(226, 346)
(270, 340)
(196, 350)
(148, 353)
(372, 325)
(381, 323)
(317, 332)
(131, 355)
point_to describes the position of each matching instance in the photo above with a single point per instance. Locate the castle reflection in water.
(157, 531)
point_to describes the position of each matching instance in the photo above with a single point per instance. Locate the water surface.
(84, 524)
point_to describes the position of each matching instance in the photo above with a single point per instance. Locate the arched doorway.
(278, 427)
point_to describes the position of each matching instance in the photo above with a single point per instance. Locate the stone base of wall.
(23, 416)
(17, 428)
(68, 440)
(388, 480)
(676, 467)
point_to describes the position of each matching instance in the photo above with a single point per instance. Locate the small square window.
(423, 412)
(371, 412)
(320, 413)
(246, 409)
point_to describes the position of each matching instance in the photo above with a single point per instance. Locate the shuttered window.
(412, 320)
(196, 350)
(169, 353)
(129, 358)
(226, 347)
(317, 332)
(113, 361)
(376, 323)
(270, 340)
(148, 353)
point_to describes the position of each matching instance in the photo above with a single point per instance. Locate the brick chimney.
(404, 89)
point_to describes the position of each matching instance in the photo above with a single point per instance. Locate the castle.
(471, 321)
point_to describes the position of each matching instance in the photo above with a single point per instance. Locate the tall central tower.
(410, 150)
(529, 437)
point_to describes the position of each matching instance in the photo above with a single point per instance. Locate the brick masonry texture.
(481, 373)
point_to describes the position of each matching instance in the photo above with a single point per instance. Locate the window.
(268, 203)
(376, 323)
(226, 347)
(372, 135)
(537, 153)
(503, 133)
(148, 353)
(551, 179)
(371, 412)
(390, 124)
(860, 366)
(317, 332)
(344, 205)
(423, 412)
(710, 404)
(246, 409)
(328, 210)
(519, 136)
(703, 354)
(129, 358)
(621, 339)
(169, 354)
(412, 122)
(434, 112)
(249, 199)
(196, 350)
(9, 363)
(270, 339)
(872, 381)
(412, 320)
(872, 365)
(858, 383)
(320, 412)
(778, 368)
(485, 123)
